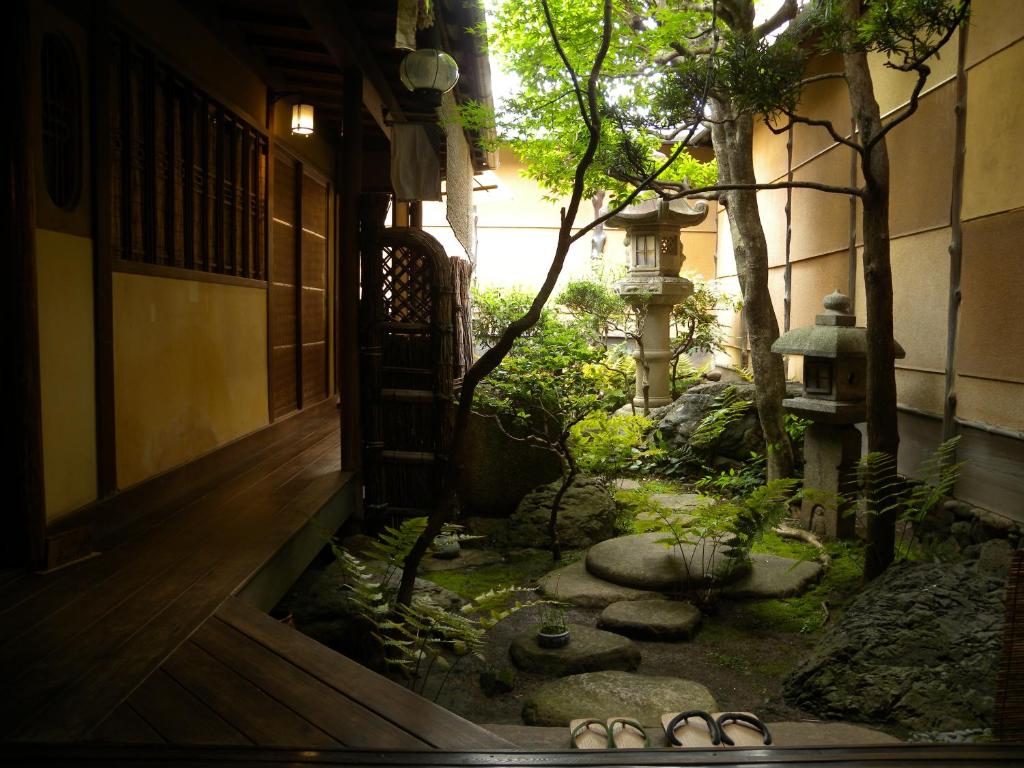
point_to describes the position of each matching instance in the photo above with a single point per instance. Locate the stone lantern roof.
(658, 212)
(833, 335)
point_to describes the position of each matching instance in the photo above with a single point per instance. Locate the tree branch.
(787, 12)
(923, 71)
(568, 64)
(701, 192)
(826, 124)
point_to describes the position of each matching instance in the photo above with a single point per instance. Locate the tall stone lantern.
(834, 399)
(656, 256)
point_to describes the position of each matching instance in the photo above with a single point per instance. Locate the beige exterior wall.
(990, 348)
(67, 370)
(517, 231)
(190, 370)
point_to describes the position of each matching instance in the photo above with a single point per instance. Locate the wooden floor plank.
(345, 720)
(264, 720)
(436, 726)
(187, 558)
(268, 521)
(126, 726)
(178, 716)
(49, 593)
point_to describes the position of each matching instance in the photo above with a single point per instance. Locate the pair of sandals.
(694, 729)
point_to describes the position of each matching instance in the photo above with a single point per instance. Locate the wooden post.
(416, 214)
(956, 245)
(346, 276)
(103, 245)
(22, 539)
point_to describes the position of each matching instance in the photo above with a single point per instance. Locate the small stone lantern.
(656, 255)
(834, 399)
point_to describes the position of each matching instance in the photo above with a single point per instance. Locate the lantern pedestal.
(831, 453)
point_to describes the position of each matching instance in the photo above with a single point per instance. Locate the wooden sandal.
(626, 733)
(742, 729)
(589, 734)
(694, 729)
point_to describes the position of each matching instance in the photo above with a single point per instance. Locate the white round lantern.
(429, 69)
(302, 119)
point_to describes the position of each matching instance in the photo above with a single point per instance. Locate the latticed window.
(645, 250)
(61, 121)
(188, 176)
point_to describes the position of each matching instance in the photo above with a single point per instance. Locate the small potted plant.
(553, 631)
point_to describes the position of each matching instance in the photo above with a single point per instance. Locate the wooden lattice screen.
(408, 362)
(188, 176)
(1009, 719)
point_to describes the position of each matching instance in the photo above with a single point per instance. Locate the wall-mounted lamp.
(302, 119)
(429, 69)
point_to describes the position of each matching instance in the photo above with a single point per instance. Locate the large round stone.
(613, 694)
(586, 515)
(589, 650)
(641, 562)
(574, 584)
(651, 619)
(771, 576)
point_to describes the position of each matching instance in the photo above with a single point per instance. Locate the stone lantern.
(834, 399)
(656, 256)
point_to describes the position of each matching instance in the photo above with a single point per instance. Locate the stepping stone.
(627, 484)
(468, 558)
(640, 562)
(681, 501)
(772, 576)
(589, 650)
(574, 584)
(652, 619)
(613, 694)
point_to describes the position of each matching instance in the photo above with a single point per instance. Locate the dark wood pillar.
(416, 214)
(24, 530)
(350, 183)
(103, 279)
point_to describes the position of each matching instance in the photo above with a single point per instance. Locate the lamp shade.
(429, 69)
(302, 119)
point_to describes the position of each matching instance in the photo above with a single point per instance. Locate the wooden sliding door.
(298, 287)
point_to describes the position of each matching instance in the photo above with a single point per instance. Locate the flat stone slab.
(652, 619)
(640, 562)
(772, 576)
(680, 501)
(589, 650)
(467, 558)
(613, 694)
(574, 584)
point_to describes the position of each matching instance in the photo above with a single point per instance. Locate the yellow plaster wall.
(994, 164)
(995, 24)
(190, 370)
(893, 88)
(67, 370)
(920, 271)
(991, 402)
(921, 390)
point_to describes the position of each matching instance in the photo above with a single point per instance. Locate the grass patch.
(521, 569)
(806, 614)
(770, 543)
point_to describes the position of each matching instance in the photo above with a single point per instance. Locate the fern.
(911, 500)
(729, 407)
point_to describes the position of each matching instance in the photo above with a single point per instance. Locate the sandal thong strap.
(625, 721)
(683, 717)
(585, 725)
(742, 717)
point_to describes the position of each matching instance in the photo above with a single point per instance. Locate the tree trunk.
(732, 137)
(556, 502)
(883, 430)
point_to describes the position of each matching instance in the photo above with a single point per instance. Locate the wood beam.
(338, 31)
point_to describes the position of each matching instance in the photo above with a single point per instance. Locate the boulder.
(589, 650)
(575, 584)
(641, 562)
(586, 515)
(499, 471)
(739, 439)
(918, 649)
(651, 619)
(772, 576)
(614, 694)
